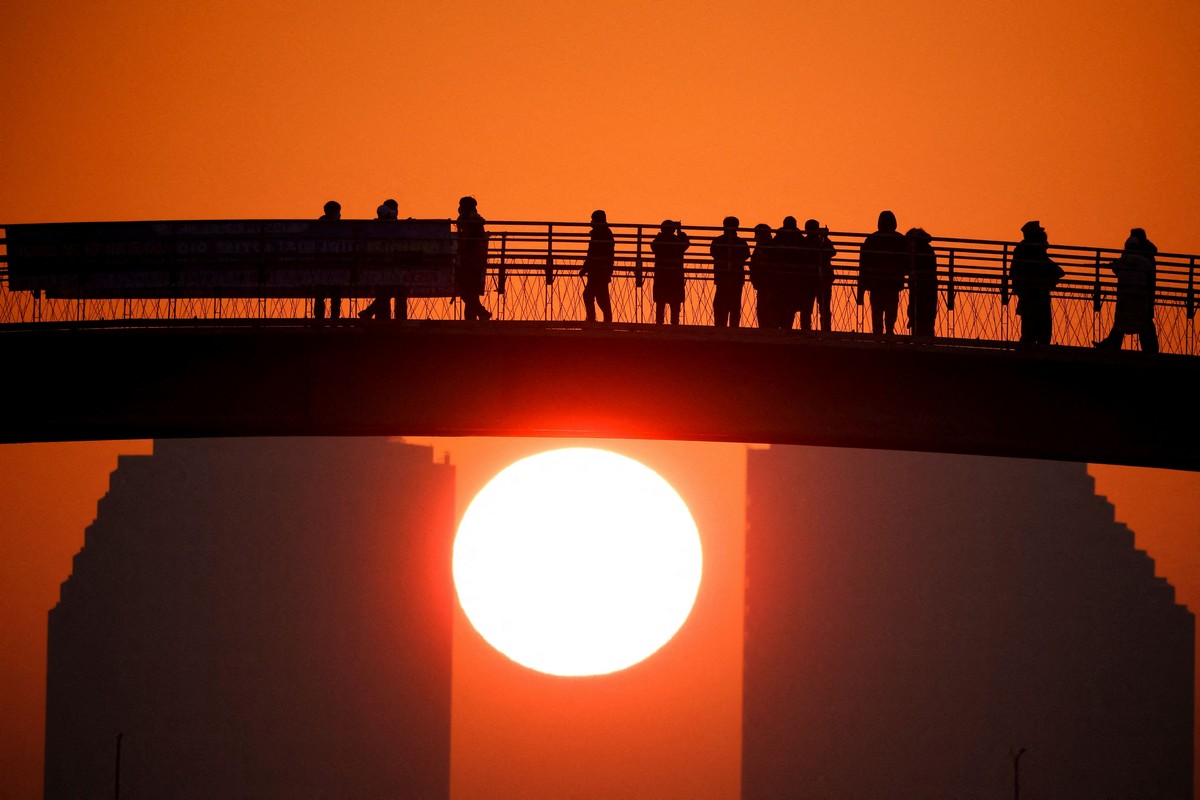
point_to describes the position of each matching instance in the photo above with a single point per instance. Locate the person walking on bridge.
(333, 213)
(882, 264)
(381, 306)
(729, 254)
(1136, 284)
(668, 247)
(1034, 275)
(472, 259)
(598, 268)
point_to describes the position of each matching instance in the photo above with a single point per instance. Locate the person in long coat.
(764, 277)
(922, 283)
(729, 254)
(1134, 314)
(668, 247)
(795, 275)
(472, 259)
(333, 213)
(1034, 276)
(882, 264)
(598, 268)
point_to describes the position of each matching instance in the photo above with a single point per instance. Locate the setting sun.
(577, 562)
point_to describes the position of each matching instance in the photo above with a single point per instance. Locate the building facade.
(916, 621)
(258, 618)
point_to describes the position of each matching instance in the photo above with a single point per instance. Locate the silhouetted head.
(887, 221)
(918, 234)
(333, 209)
(1133, 244)
(811, 225)
(1032, 228)
(389, 209)
(789, 221)
(762, 232)
(731, 223)
(1139, 233)
(669, 226)
(467, 203)
(599, 217)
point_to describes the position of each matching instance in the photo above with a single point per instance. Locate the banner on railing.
(233, 258)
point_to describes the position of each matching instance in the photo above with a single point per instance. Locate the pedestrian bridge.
(91, 359)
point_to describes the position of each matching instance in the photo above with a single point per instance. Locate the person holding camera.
(668, 247)
(729, 254)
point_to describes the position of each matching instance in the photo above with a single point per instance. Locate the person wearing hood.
(764, 277)
(1034, 275)
(729, 254)
(668, 247)
(472, 259)
(882, 264)
(922, 284)
(598, 268)
(1136, 284)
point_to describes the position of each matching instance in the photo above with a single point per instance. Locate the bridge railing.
(533, 275)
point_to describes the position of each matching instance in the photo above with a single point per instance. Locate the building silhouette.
(914, 620)
(258, 618)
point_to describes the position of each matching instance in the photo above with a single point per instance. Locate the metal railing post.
(639, 278)
(549, 304)
(1097, 301)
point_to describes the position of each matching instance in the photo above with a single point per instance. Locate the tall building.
(259, 618)
(915, 621)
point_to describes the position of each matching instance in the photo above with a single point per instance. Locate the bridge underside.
(479, 379)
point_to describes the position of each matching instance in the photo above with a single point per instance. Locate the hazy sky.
(967, 119)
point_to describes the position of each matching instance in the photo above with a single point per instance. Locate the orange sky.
(966, 119)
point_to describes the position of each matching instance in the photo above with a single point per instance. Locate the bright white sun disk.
(577, 562)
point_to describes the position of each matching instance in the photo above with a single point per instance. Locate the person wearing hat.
(1034, 275)
(472, 259)
(922, 283)
(598, 268)
(882, 266)
(1135, 271)
(668, 247)
(729, 254)
(333, 213)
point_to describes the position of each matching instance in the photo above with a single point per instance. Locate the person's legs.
(674, 312)
(876, 312)
(824, 307)
(589, 303)
(603, 301)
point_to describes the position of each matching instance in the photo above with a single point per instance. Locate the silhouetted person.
(882, 263)
(764, 277)
(668, 247)
(333, 213)
(793, 270)
(818, 281)
(1136, 284)
(1034, 275)
(598, 268)
(381, 306)
(472, 259)
(922, 283)
(729, 254)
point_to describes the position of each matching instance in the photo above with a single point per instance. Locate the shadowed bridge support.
(542, 379)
